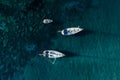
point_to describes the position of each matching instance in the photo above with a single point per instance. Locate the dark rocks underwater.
(23, 35)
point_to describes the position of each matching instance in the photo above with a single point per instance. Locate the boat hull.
(71, 31)
(47, 21)
(52, 54)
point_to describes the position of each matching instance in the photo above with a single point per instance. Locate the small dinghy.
(47, 21)
(52, 54)
(71, 31)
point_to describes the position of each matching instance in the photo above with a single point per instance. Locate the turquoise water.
(93, 54)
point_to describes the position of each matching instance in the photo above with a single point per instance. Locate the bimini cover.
(65, 31)
(47, 53)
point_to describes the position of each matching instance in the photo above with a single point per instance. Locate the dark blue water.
(93, 54)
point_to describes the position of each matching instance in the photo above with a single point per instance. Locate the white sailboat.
(52, 54)
(71, 31)
(47, 21)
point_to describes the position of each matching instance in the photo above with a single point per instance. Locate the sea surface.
(93, 54)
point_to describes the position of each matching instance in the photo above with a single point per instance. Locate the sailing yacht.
(52, 54)
(71, 31)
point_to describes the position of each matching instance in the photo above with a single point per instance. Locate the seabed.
(93, 54)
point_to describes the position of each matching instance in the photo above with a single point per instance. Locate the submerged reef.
(22, 31)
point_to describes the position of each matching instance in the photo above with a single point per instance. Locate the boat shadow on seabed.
(69, 54)
(84, 33)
